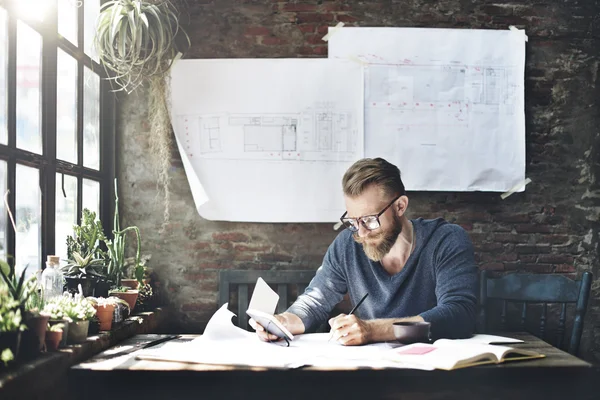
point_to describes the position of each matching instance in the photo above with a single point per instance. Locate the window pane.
(28, 219)
(3, 216)
(66, 108)
(66, 212)
(91, 196)
(91, 10)
(67, 19)
(3, 72)
(29, 50)
(91, 119)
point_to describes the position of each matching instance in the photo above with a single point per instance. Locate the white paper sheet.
(225, 344)
(445, 105)
(268, 140)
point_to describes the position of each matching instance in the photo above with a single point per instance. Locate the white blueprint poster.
(268, 140)
(445, 105)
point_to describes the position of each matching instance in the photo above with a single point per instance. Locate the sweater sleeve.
(456, 287)
(323, 293)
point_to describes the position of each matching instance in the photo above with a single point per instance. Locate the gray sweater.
(439, 282)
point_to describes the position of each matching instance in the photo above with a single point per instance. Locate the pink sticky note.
(417, 350)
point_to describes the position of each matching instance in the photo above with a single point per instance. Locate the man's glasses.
(370, 222)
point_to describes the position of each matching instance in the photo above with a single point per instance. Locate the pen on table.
(353, 309)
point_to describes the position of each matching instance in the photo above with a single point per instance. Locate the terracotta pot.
(33, 338)
(105, 316)
(53, 339)
(129, 296)
(130, 283)
(65, 330)
(78, 331)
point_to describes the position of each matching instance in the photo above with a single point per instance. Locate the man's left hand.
(350, 330)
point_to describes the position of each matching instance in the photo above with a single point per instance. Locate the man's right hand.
(292, 322)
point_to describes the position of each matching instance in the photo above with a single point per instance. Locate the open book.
(453, 354)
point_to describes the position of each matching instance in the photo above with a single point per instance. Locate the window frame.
(47, 163)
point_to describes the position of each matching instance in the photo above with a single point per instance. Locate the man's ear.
(401, 205)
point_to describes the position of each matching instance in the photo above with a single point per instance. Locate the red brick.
(487, 257)
(257, 31)
(538, 268)
(273, 41)
(323, 30)
(519, 22)
(299, 7)
(492, 266)
(532, 228)
(554, 239)
(275, 257)
(532, 249)
(510, 238)
(565, 268)
(489, 247)
(314, 39)
(528, 258)
(307, 28)
(512, 218)
(230, 236)
(345, 18)
(226, 246)
(209, 265)
(314, 17)
(555, 259)
(496, 10)
(335, 7)
(243, 248)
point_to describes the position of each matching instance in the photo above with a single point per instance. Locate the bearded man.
(413, 270)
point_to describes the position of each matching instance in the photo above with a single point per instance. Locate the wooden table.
(116, 373)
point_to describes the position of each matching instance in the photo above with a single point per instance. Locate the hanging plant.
(137, 42)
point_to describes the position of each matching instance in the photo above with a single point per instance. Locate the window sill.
(46, 375)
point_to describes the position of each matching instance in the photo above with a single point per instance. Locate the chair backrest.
(280, 281)
(538, 288)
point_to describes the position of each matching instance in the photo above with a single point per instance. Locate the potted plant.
(33, 339)
(105, 310)
(137, 272)
(55, 310)
(126, 294)
(116, 247)
(54, 334)
(137, 42)
(80, 311)
(144, 299)
(86, 262)
(11, 326)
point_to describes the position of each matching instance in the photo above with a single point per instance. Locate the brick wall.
(550, 228)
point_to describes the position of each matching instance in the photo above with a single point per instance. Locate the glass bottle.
(52, 278)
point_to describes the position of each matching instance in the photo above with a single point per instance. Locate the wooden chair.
(536, 288)
(280, 281)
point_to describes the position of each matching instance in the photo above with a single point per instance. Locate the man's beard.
(378, 245)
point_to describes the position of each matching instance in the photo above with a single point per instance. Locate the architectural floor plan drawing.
(315, 134)
(445, 105)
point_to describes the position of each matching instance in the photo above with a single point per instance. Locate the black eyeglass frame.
(360, 220)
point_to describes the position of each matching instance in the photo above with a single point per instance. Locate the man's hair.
(368, 171)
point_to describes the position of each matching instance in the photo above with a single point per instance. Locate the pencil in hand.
(352, 311)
